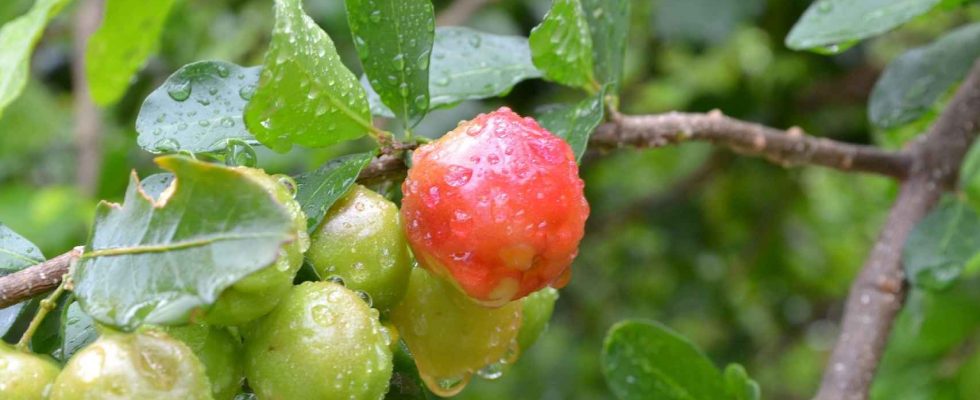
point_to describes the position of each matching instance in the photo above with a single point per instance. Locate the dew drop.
(179, 90)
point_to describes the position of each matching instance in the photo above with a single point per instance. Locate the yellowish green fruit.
(25, 376)
(451, 336)
(258, 293)
(321, 342)
(147, 365)
(221, 354)
(361, 240)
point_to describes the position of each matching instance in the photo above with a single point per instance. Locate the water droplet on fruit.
(288, 183)
(322, 315)
(365, 296)
(457, 175)
(336, 279)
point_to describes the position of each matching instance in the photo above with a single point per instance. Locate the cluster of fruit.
(493, 212)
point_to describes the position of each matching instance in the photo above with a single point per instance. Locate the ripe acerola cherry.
(497, 206)
(258, 293)
(451, 336)
(143, 365)
(321, 342)
(25, 376)
(361, 240)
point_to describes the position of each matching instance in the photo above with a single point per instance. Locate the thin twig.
(35, 280)
(47, 305)
(877, 294)
(88, 122)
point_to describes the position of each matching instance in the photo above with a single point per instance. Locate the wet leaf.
(306, 95)
(561, 45)
(467, 64)
(609, 22)
(78, 330)
(941, 245)
(128, 35)
(318, 190)
(644, 360)
(832, 26)
(913, 83)
(394, 41)
(16, 253)
(575, 122)
(740, 386)
(198, 109)
(17, 40)
(177, 253)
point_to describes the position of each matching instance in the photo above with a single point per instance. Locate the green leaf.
(740, 386)
(468, 64)
(78, 330)
(646, 360)
(306, 95)
(575, 122)
(198, 109)
(177, 253)
(128, 35)
(394, 41)
(913, 83)
(16, 253)
(318, 190)
(17, 40)
(832, 26)
(941, 245)
(154, 185)
(561, 46)
(406, 384)
(609, 22)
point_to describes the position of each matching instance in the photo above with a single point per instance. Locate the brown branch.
(88, 123)
(460, 11)
(788, 148)
(877, 294)
(41, 278)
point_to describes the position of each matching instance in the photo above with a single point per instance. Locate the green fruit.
(146, 365)
(258, 293)
(221, 354)
(322, 342)
(451, 336)
(361, 240)
(25, 376)
(538, 307)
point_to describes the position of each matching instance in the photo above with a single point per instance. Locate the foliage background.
(748, 260)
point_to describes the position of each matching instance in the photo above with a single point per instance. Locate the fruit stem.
(385, 140)
(47, 305)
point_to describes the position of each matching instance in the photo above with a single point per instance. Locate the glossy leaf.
(17, 40)
(646, 360)
(941, 245)
(561, 45)
(128, 35)
(832, 26)
(198, 109)
(575, 122)
(78, 330)
(177, 253)
(740, 386)
(406, 384)
(468, 64)
(913, 83)
(16, 253)
(394, 41)
(318, 190)
(306, 95)
(609, 22)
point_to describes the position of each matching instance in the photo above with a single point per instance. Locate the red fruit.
(497, 206)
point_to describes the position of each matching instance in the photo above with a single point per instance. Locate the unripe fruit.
(145, 365)
(361, 240)
(450, 335)
(258, 293)
(221, 354)
(25, 376)
(497, 206)
(321, 342)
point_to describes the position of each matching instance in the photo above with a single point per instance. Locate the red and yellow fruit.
(497, 206)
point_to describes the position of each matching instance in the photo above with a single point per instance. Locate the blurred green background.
(749, 260)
